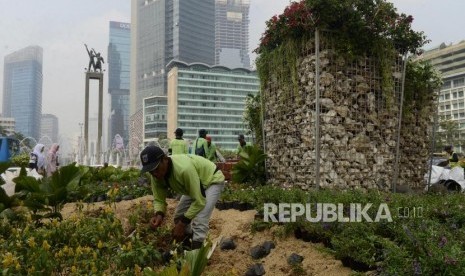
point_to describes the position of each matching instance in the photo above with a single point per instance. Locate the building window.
(454, 95)
(459, 82)
(447, 96)
(460, 93)
(447, 106)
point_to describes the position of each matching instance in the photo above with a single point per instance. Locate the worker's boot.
(196, 245)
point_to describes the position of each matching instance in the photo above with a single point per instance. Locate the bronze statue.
(96, 65)
(91, 59)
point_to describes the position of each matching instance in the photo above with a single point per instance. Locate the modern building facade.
(118, 80)
(449, 60)
(49, 127)
(209, 97)
(232, 33)
(22, 90)
(8, 125)
(161, 31)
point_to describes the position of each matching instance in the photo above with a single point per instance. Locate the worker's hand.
(179, 230)
(156, 221)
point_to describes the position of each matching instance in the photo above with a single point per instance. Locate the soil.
(237, 225)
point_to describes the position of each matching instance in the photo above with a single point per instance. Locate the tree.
(448, 130)
(253, 118)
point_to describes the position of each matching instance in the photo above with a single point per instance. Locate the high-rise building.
(22, 90)
(208, 97)
(449, 60)
(49, 127)
(232, 33)
(118, 80)
(162, 31)
(8, 125)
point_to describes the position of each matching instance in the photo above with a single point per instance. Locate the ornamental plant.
(358, 25)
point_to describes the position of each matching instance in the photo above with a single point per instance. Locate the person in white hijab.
(52, 159)
(37, 159)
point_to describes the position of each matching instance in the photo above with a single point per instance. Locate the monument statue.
(94, 64)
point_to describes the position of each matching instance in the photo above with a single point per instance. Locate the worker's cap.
(150, 158)
(179, 131)
(202, 132)
(208, 138)
(240, 137)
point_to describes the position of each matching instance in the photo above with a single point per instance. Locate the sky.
(61, 27)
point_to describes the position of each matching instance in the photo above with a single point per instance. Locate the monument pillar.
(94, 76)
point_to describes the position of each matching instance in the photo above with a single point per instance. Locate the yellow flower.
(94, 269)
(8, 260)
(95, 255)
(100, 244)
(45, 245)
(137, 270)
(31, 242)
(129, 247)
(78, 250)
(73, 269)
(55, 222)
(18, 266)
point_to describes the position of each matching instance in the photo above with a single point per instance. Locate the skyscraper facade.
(49, 127)
(232, 33)
(164, 30)
(118, 80)
(22, 90)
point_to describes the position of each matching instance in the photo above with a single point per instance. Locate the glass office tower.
(118, 80)
(164, 30)
(22, 90)
(232, 33)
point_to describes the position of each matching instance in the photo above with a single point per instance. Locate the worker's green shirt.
(178, 146)
(211, 153)
(241, 148)
(201, 142)
(187, 173)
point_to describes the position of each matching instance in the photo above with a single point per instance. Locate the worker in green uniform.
(453, 157)
(178, 145)
(200, 144)
(198, 181)
(211, 150)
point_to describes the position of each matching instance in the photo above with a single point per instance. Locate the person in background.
(198, 181)
(37, 159)
(242, 144)
(453, 157)
(211, 150)
(52, 159)
(200, 144)
(178, 145)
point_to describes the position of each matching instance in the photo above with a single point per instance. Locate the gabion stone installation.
(359, 115)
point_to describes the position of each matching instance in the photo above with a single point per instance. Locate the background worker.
(242, 144)
(200, 144)
(211, 150)
(178, 145)
(196, 178)
(453, 157)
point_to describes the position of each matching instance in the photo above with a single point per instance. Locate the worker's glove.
(156, 221)
(179, 231)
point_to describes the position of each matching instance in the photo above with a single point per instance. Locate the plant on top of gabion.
(358, 24)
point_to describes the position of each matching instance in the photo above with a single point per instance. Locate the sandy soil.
(236, 224)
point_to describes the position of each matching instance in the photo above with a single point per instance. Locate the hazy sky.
(61, 27)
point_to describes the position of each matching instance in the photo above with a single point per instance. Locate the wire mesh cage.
(359, 110)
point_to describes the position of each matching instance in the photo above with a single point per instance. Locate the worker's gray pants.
(199, 224)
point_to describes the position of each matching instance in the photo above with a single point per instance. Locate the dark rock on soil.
(228, 244)
(255, 270)
(294, 259)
